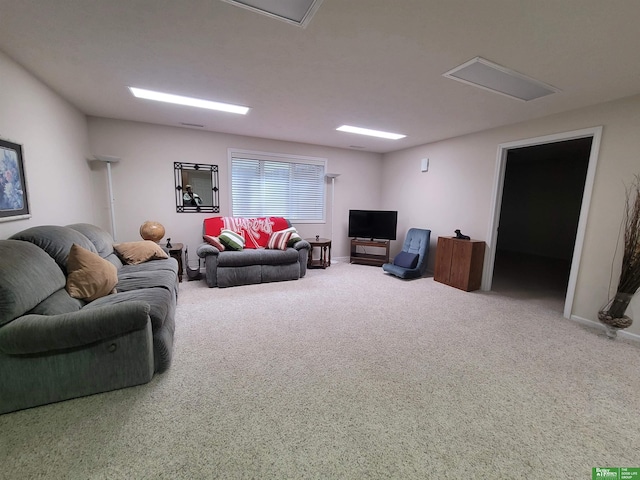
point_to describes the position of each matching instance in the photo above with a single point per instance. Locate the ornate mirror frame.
(205, 184)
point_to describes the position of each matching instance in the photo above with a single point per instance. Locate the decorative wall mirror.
(197, 187)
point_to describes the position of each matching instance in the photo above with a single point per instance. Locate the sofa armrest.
(300, 244)
(205, 249)
(303, 247)
(31, 334)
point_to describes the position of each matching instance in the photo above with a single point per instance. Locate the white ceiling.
(371, 63)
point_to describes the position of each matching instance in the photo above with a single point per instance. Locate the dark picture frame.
(14, 199)
(206, 187)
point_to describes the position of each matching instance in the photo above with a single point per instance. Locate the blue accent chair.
(404, 264)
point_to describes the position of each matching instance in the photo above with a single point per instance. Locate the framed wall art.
(14, 202)
(197, 188)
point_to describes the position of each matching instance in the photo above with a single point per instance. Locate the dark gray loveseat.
(253, 265)
(54, 347)
(228, 269)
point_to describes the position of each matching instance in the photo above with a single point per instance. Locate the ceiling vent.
(296, 12)
(495, 78)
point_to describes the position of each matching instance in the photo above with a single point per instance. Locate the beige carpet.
(351, 374)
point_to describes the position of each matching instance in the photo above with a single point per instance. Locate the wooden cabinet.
(368, 257)
(459, 263)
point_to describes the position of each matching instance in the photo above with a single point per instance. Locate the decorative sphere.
(153, 231)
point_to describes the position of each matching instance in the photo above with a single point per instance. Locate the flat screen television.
(373, 224)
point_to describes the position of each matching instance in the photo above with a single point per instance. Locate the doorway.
(541, 199)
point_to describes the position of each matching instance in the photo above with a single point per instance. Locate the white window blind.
(264, 184)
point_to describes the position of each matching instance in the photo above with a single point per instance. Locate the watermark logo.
(601, 473)
(619, 473)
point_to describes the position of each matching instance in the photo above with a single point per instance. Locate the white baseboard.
(590, 323)
(340, 259)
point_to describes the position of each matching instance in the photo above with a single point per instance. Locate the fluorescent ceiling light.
(372, 133)
(189, 101)
(498, 79)
(296, 12)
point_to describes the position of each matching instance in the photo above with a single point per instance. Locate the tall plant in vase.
(612, 314)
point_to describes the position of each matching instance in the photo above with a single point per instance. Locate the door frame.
(496, 204)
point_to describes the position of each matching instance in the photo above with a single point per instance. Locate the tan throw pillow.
(134, 253)
(89, 276)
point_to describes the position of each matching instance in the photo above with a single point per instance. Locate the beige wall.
(457, 190)
(53, 136)
(144, 186)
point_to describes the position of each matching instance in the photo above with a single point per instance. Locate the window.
(266, 184)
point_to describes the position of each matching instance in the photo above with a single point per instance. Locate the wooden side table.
(324, 244)
(176, 252)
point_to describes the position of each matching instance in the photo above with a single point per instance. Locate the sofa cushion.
(279, 273)
(129, 280)
(27, 277)
(406, 260)
(233, 277)
(231, 240)
(214, 242)
(57, 303)
(279, 240)
(257, 257)
(279, 257)
(138, 252)
(169, 264)
(89, 275)
(56, 241)
(101, 239)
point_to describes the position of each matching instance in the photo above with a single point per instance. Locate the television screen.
(380, 224)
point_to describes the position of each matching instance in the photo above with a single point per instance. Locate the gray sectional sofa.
(55, 347)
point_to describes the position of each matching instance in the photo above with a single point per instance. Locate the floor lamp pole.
(109, 160)
(332, 176)
(333, 201)
(112, 201)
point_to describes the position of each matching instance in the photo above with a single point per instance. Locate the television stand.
(377, 259)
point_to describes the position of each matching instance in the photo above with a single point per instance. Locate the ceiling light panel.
(188, 101)
(297, 12)
(496, 78)
(369, 132)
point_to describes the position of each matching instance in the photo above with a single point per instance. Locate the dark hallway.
(541, 202)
